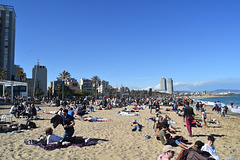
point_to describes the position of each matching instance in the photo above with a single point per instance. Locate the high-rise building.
(163, 85)
(7, 39)
(170, 86)
(39, 75)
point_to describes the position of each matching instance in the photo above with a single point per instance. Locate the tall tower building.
(39, 76)
(163, 85)
(7, 39)
(170, 86)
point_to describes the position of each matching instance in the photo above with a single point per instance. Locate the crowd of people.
(23, 109)
(163, 125)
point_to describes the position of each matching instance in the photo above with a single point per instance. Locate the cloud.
(228, 83)
(147, 88)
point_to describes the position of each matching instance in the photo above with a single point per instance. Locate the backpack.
(182, 155)
(42, 139)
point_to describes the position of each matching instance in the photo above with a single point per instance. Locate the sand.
(116, 139)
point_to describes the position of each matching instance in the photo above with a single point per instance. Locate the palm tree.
(96, 82)
(21, 75)
(63, 76)
(2, 73)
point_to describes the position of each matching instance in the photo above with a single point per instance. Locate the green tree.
(3, 73)
(38, 92)
(96, 82)
(21, 75)
(63, 76)
(59, 90)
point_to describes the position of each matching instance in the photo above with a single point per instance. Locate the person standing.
(189, 115)
(68, 123)
(204, 117)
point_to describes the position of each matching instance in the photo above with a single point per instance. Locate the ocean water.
(224, 100)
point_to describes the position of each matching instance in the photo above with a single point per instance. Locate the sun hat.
(168, 148)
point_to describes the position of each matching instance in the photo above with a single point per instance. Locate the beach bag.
(182, 155)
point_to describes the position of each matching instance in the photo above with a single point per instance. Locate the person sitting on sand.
(158, 124)
(136, 126)
(195, 153)
(166, 139)
(70, 111)
(14, 109)
(171, 128)
(91, 119)
(52, 138)
(20, 110)
(168, 151)
(209, 147)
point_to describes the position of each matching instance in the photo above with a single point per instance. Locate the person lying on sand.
(91, 119)
(136, 126)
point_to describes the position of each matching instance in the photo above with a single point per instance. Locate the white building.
(104, 85)
(85, 84)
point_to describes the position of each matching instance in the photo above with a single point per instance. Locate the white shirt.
(53, 138)
(14, 108)
(211, 150)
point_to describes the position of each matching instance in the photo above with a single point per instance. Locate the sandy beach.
(115, 138)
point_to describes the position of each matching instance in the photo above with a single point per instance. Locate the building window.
(6, 46)
(6, 40)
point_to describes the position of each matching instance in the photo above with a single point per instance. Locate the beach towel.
(126, 114)
(50, 147)
(172, 121)
(17, 131)
(51, 112)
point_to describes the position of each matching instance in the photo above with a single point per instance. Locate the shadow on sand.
(98, 139)
(204, 135)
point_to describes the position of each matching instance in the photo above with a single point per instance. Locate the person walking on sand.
(189, 115)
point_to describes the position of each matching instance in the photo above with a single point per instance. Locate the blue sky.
(132, 42)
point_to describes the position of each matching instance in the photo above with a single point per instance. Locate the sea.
(225, 100)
